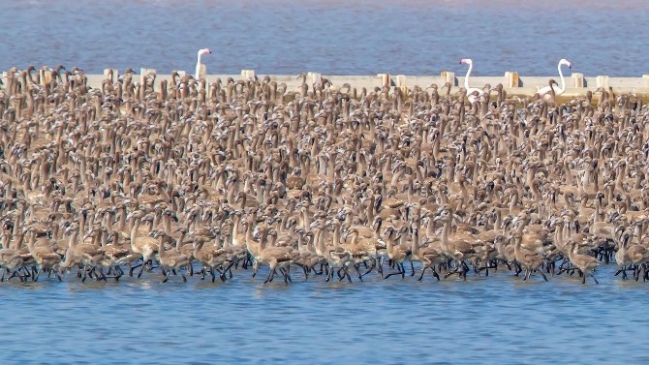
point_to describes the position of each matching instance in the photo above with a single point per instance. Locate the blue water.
(495, 319)
(328, 36)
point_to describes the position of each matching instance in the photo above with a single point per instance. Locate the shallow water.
(420, 37)
(495, 319)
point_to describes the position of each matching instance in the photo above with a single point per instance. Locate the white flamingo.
(561, 90)
(470, 90)
(201, 52)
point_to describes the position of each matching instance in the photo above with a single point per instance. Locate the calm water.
(485, 320)
(329, 36)
(498, 319)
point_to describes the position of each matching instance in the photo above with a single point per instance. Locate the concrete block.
(578, 80)
(449, 76)
(144, 73)
(513, 79)
(202, 71)
(248, 74)
(315, 77)
(401, 81)
(115, 74)
(602, 81)
(526, 85)
(385, 79)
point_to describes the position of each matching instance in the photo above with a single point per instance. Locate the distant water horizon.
(412, 37)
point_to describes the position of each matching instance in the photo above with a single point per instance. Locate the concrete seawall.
(576, 83)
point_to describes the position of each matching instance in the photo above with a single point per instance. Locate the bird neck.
(563, 81)
(466, 78)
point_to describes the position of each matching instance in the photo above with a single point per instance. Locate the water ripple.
(332, 37)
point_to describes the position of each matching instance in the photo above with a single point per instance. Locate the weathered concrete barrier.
(512, 81)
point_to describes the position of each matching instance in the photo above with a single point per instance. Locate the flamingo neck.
(466, 78)
(198, 66)
(563, 81)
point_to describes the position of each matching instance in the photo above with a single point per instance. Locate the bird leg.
(142, 270)
(423, 270)
(346, 274)
(221, 274)
(400, 271)
(542, 274)
(623, 271)
(287, 274)
(85, 273)
(370, 268)
(131, 268)
(460, 269)
(339, 273)
(487, 267)
(357, 267)
(255, 268)
(316, 272)
(101, 275)
(14, 274)
(228, 268)
(150, 264)
(592, 276)
(271, 274)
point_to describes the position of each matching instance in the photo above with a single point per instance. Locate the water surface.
(499, 319)
(338, 37)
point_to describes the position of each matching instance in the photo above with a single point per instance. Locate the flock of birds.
(210, 179)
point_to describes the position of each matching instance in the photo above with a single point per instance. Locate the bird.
(562, 89)
(470, 90)
(201, 52)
